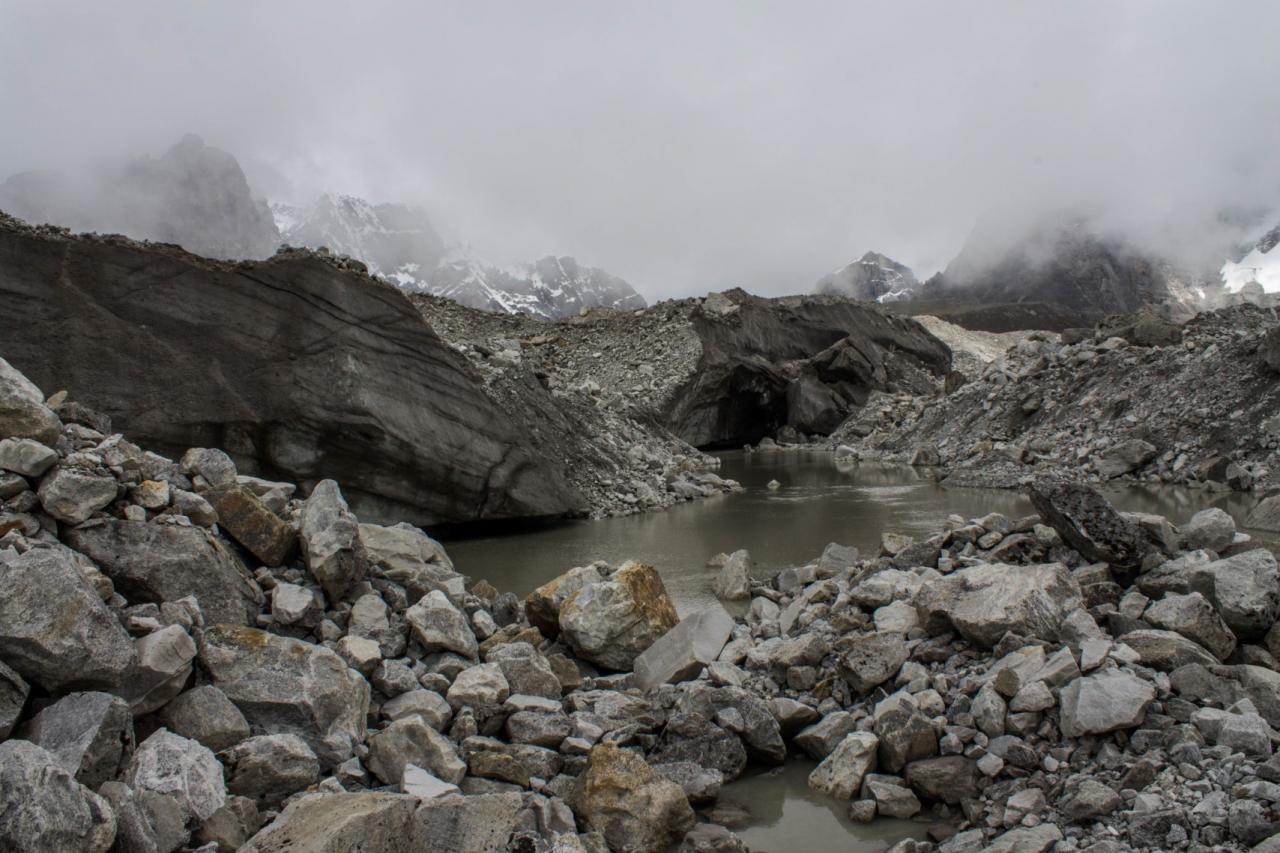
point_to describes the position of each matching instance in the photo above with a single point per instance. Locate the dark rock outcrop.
(794, 361)
(300, 366)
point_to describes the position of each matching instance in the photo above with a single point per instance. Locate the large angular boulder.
(77, 644)
(269, 768)
(1125, 457)
(542, 606)
(626, 801)
(330, 538)
(682, 652)
(441, 627)
(91, 734)
(45, 809)
(1087, 522)
(282, 685)
(181, 770)
(164, 665)
(248, 521)
(753, 718)
(464, 824)
(611, 622)
(71, 494)
(164, 562)
(840, 774)
(23, 413)
(206, 714)
(1244, 588)
(872, 660)
(1193, 617)
(404, 554)
(1104, 702)
(733, 581)
(986, 601)
(412, 741)
(26, 456)
(1265, 516)
(1166, 650)
(355, 385)
(945, 779)
(339, 823)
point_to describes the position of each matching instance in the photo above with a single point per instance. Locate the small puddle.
(787, 815)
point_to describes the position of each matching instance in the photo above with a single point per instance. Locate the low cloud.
(685, 147)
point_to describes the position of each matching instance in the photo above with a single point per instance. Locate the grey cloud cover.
(684, 146)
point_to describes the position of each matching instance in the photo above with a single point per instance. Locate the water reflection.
(788, 815)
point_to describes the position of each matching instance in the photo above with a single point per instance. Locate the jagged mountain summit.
(194, 195)
(395, 241)
(398, 243)
(552, 287)
(872, 278)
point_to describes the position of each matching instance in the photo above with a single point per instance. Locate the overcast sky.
(687, 146)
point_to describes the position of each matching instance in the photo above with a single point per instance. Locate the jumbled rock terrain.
(192, 658)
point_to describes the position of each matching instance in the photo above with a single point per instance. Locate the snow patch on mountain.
(873, 277)
(399, 244)
(1261, 264)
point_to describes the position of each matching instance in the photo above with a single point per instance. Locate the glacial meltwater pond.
(818, 502)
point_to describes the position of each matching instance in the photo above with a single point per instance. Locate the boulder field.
(192, 658)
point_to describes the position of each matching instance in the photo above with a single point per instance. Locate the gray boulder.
(71, 495)
(1104, 702)
(164, 562)
(330, 539)
(527, 672)
(733, 581)
(905, 734)
(1089, 800)
(77, 644)
(872, 660)
(164, 665)
(841, 773)
(819, 739)
(45, 809)
(340, 823)
(1265, 516)
(180, 769)
(91, 734)
(404, 554)
(1193, 617)
(1244, 588)
(269, 768)
(206, 714)
(1166, 650)
(944, 779)
(682, 652)
(1209, 528)
(482, 686)
(986, 601)
(611, 622)
(440, 626)
(411, 741)
(542, 606)
(1125, 457)
(23, 413)
(26, 457)
(286, 686)
(427, 704)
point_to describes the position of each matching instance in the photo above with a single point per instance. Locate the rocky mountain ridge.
(872, 278)
(399, 244)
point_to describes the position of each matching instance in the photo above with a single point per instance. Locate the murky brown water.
(818, 502)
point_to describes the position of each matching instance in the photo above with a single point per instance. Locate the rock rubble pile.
(191, 658)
